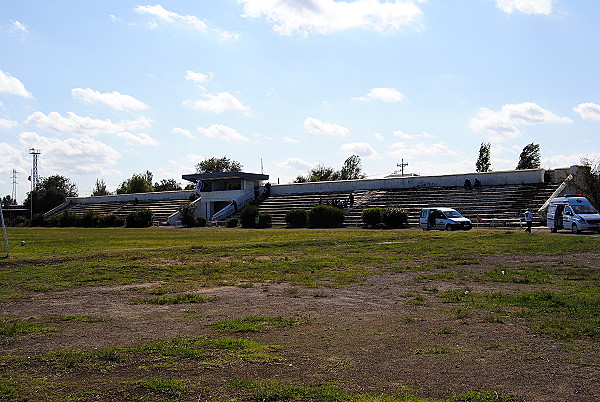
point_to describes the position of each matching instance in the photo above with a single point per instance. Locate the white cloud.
(378, 136)
(115, 100)
(138, 139)
(11, 158)
(383, 94)
(218, 103)
(295, 164)
(73, 156)
(13, 86)
(198, 78)
(222, 132)
(8, 124)
(289, 140)
(401, 150)
(189, 21)
(317, 127)
(84, 125)
(184, 132)
(525, 6)
(171, 17)
(327, 16)
(360, 149)
(422, 134)
(18, 26)
(588, 111)
(505, 123)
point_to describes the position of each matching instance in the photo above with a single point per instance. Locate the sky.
(105, 89)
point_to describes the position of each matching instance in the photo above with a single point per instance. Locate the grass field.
(552, 297)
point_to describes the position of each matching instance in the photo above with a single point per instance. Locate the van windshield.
(584, 209)
(452, 214)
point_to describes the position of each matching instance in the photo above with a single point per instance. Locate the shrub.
(37, 220)
(296, 218)
(371, 217)
(68, 219)
(325, 216)
(248, 216)
(232, 223)
(394, 218)
(263, 221)
(200, 221)
(89, 219)
(139, 219)
(110, 221)
(188, 215)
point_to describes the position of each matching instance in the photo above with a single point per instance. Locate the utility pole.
(401, 165)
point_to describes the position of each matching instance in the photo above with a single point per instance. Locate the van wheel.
(448, 227)
(574, 228)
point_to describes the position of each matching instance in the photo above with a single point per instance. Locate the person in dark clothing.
(467, 184)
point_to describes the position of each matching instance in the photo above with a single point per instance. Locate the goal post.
(4, 231)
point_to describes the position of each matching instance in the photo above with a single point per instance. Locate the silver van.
(443, 219)
(572, 212)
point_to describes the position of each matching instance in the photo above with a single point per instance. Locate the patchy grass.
(256, 324)
(181, 299)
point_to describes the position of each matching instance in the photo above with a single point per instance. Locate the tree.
(167, 185)
(215, 165)
(587, 181)
(530, 157)
(352, 169)
(7, 201)
(484, 163)
(51, 192)
(100, 188)
(138, 183)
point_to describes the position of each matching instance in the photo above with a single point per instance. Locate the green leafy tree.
(216, 165)
(138, 183)
(484, 163)
(7, 201)
(352, 169)
(167, 185)
(530, 157)
(587, 181)
(51, 192)
(100, 188)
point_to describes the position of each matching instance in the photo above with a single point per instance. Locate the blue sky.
(110, 88)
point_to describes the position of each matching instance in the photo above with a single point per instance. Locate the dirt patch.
(389, 334)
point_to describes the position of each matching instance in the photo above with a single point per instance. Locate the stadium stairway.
(487, 206)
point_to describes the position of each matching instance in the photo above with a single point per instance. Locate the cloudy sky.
(110, 88)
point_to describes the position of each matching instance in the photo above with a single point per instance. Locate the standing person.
(528, 219)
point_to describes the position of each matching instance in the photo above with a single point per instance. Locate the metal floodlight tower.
(35, 178)
(14, 185)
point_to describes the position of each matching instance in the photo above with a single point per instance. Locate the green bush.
(325, 216)
(394, 218)
(200, 221)
(110, 221)
(371, 217)
(248, 216)
(263, 221)
(232, 223)
(68, 219)
(296, 218)
(139, 219)
(89, 220)
(188, 215)
(37, 220)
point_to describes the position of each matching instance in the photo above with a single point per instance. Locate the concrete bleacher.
(501, 205)
(162, 204)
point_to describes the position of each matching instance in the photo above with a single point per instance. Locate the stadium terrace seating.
(494, 205)
(162, 208)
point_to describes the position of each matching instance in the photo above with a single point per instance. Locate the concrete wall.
(528, 176)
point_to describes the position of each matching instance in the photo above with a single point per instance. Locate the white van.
(443, 219)
(572, 212)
